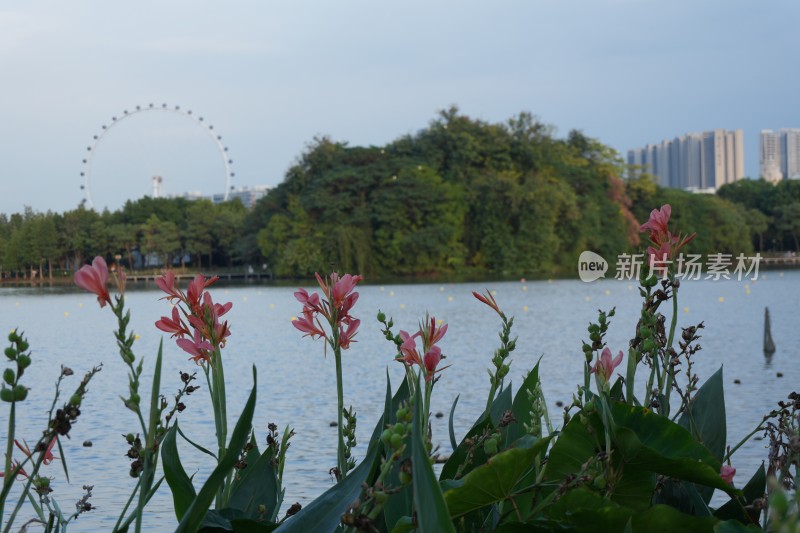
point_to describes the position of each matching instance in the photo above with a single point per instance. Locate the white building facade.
(696, 161)
(780, 154)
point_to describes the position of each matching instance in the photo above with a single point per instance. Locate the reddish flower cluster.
(430, 334)
(335, 307)
(664, 245)
(605, 365)
(195, 319)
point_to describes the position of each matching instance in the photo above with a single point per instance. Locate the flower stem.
(8, 479)
(220, 414)
(669, 369)
(341, 463)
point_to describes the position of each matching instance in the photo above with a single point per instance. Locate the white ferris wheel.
(157, 180)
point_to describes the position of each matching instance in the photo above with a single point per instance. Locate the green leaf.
(665, 519)
(432, 514)
(496, 480)
(404, 525)
(194, 515)
(705, 419)
(257, 485)
(451, 429)
(500, 405)
(245, 525)
(654, 443)
(577, 444)
(155, 398)
(459, 455)
(521, 407)
(183, 492)
(585, 510)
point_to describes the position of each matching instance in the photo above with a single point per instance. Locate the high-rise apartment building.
(780, 154)
(695, 161)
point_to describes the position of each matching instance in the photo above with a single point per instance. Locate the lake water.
(296, 382)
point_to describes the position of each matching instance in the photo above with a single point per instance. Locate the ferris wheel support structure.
(199, 120)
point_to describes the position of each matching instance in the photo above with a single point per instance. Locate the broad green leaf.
(245, 525)
(404, 525)
(733, 526)
(683, 496)
(521, 407)
(256, 486)
(180, 484)
(585, 510)
(432, 514)
(500, 405)
(194, 515)
(654, 443)
(665, 519)
(459, 455)
(577, 444)
(496, 480)
(705, 419)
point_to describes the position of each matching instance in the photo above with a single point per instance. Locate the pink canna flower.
(338, 299)
(173, 325)
(605, 365)
(665, 245)
(308, 300)
(194, 292)
(309, 325)
(408, 349)
(93, 279)
(166, 282)
(488, 300)
(346, 334)
(432, 334)
(657, 224)
(726, 473)
(198, 348)
(431, 360)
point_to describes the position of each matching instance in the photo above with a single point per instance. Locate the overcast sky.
(269, 76)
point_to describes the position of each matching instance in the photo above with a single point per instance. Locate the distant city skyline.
(701, 161)
(779, 154)
(272, 76)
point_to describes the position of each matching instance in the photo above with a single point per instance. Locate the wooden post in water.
(769, 346)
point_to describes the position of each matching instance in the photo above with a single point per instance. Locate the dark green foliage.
(461, 196)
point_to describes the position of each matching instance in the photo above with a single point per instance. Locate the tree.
(161, 238)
